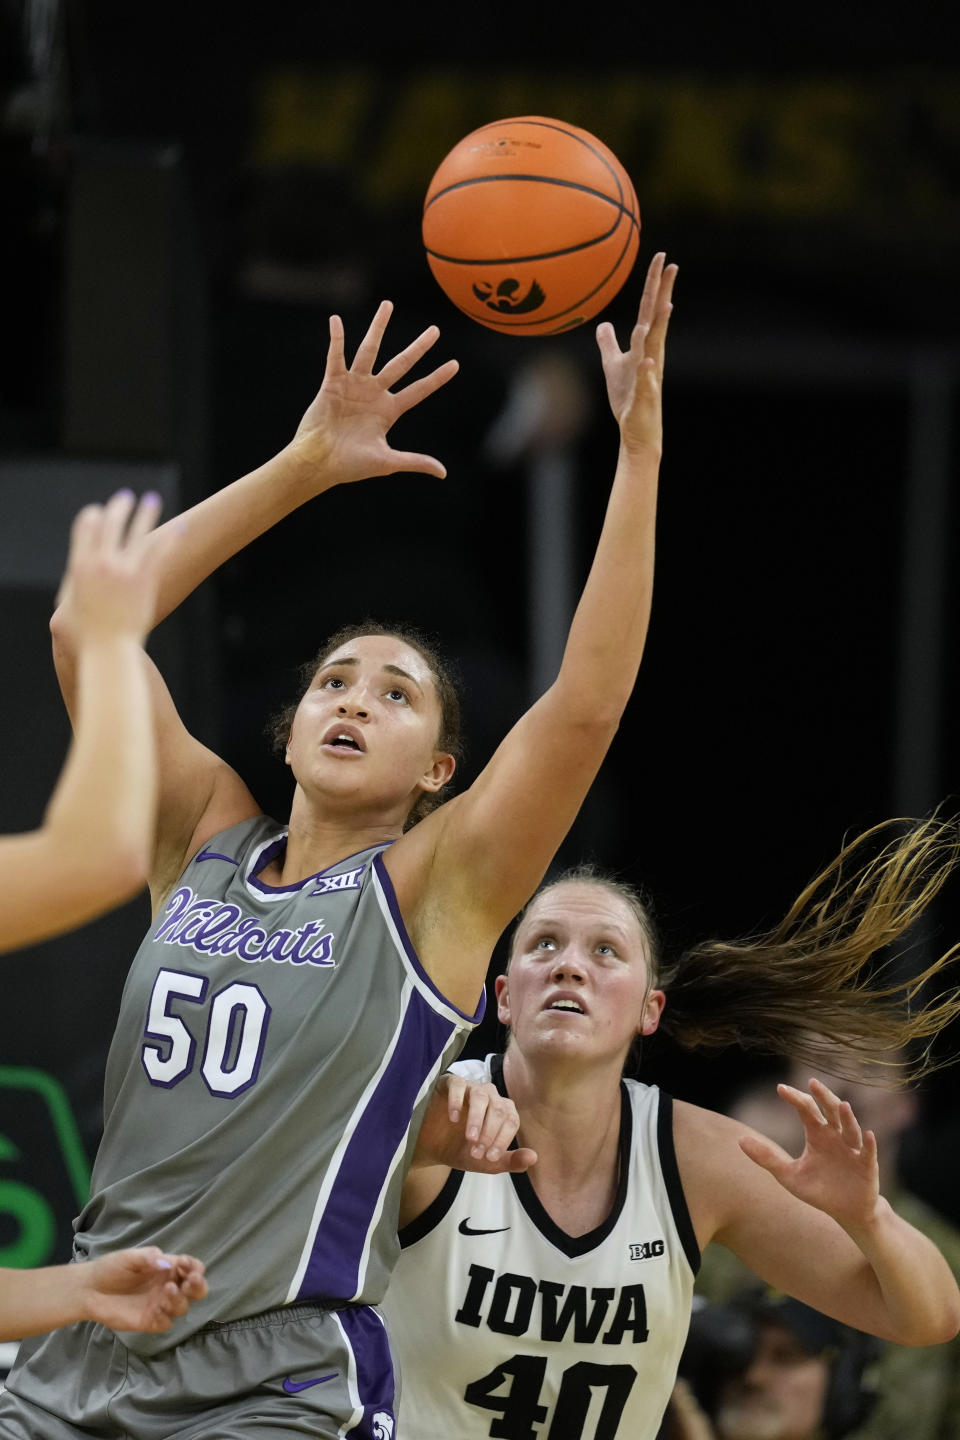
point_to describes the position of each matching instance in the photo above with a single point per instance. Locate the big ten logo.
(44, 1172)
(647, 1250)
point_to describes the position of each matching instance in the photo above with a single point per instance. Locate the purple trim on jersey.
(265, 855)
(367, 1337)
(270, 854)
(213, 855)
(337, 863)
(380, 1131)
(412, 955)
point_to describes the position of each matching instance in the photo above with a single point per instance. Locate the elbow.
(122, 873)
(595, 717)
(598, 730)
(63, 642)
(88, 890)
(131, 870)
(60, 629)
(937, 1329)
(949, 1326)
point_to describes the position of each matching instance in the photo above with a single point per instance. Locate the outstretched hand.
(837, 1171)
(635, 376)
(470, 1127)
(344, 431)
(110, 583)
(142, 1289)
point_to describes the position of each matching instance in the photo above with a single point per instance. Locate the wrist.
(872, 1228)
(641, 452)
(84, 1289)
(308, 462)
(107, 645)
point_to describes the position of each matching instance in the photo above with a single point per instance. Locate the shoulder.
(234, 845)
(718, 1179)
(241, 844)
(705, 1139)
(697, 1124)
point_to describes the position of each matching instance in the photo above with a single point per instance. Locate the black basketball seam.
(522, 324)
(538, 179)
(524, 259)
(547, 254)
(561, 130)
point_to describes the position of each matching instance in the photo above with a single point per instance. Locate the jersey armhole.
(430, 1218)
(671, 1178)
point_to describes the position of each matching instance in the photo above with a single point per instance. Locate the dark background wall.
(188, 192)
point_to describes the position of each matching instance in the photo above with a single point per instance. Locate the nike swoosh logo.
(466, 1228)
(293, 1387)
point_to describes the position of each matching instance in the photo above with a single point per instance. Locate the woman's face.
(578, 982)
(365, 732)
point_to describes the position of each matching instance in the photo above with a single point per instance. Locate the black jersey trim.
(430, 1218)
(671, 1178)
(573, 1245)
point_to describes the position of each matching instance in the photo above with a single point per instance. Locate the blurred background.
(188, 191)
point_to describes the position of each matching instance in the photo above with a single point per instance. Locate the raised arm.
(486, 850)
(97, 834)
(817, 1227)
(341, 438)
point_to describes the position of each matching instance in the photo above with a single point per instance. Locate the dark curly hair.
(449, 737)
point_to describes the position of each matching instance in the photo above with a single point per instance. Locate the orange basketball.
(531, 225)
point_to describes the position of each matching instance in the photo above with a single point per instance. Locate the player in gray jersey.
(555, 1303)
(303, 985)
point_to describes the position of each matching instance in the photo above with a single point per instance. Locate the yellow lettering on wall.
(308, 117)
(815, 136)
(429, 109)
(847, 150)
(697, 159)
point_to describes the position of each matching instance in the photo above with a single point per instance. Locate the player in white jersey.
(95, 838)
(554, 1304)
(228, 1064)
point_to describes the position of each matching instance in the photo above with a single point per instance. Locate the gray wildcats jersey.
(506, 1326)
(274, 1053)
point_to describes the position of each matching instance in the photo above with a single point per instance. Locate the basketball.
(530, 225)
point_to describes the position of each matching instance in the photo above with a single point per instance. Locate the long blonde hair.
(826, 976)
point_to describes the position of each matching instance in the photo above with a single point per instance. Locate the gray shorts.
(300, 1370)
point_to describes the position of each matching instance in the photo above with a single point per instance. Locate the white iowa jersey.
(505, 1326)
